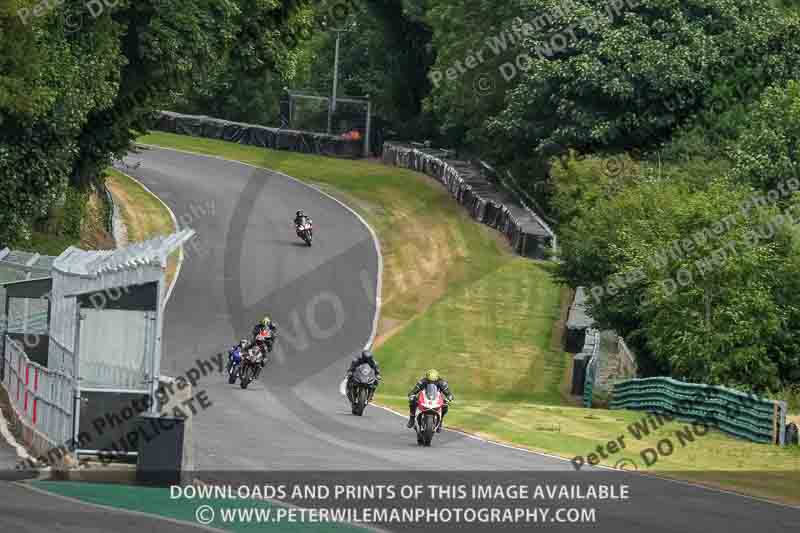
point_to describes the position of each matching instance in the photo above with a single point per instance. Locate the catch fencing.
(733, 412)
(42, 396)
(487, 202)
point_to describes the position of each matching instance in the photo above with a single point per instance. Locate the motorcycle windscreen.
(431, 391)
(364, 374)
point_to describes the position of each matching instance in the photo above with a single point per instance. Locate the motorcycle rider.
(265, 324)
(301, 218)
(242, 346)
(431, 376)
(365, 357)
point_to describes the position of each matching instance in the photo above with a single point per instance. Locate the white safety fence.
(43, 396)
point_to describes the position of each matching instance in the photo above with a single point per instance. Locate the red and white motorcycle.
(305, 230)
(430, 402)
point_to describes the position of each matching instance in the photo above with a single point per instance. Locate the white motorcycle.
(305, 230)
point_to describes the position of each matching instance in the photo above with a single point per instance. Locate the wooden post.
(775, 423)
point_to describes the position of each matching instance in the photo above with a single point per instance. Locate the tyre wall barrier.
(741, 415)
(254, 135)
(485, 201)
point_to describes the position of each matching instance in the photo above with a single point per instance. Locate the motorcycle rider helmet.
(367, 354)
(432, 375)
(299, 213)
(243, 343)
(266, 322)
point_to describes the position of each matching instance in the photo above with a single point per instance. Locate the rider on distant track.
(431, 376)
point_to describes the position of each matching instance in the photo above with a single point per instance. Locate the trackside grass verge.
(456, 299)
(144, 216)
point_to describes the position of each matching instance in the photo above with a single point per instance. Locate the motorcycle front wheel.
(247, 376)
(428, 429)
(361, 401)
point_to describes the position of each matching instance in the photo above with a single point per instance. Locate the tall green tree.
(79, 81)
(629, 79)
(386, 54)
(697, 287)
(768, 151)
(51, 79)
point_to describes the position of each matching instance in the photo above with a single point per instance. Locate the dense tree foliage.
(698, 272)
(79, 81)
(52, 78)
(385, 53)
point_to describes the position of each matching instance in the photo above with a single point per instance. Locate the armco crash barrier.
(276, 138)
(738, 414)
(589, 354)
(485, 201)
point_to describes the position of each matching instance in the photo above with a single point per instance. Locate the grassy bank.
(143, 215)
(455, 298)
(56, 234)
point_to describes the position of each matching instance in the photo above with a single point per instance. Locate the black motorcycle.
(250, 368)
(361, 387)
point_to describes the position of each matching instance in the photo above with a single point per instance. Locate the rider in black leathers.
(300, 218)
(431, 376)
(365, 357)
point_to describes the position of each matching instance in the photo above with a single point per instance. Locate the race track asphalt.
(247, 262)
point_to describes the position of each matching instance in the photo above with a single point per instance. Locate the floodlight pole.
(332, 106)
(366, 133)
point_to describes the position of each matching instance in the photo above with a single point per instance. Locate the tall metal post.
(155, 357)
(76, 369)
(332, 106)
(367, 132)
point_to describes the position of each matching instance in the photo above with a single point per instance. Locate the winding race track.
(247, 262)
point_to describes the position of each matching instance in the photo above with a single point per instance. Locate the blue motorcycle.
(234, 363)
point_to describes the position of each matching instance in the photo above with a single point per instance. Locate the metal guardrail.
(738, 414)
(593, 341)
(109, 201)
(42, 396)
